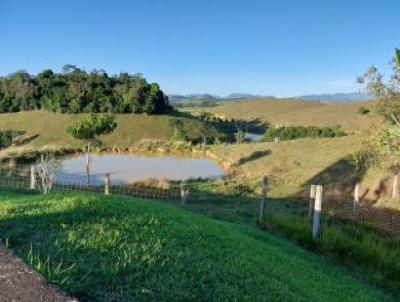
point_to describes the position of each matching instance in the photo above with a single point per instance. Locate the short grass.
(297, 113)
(47, 129)
(293, 165)
(370, 253)
(117, 249)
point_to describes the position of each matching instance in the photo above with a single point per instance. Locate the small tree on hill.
(88, 130)
(239, 135)
(388, 103)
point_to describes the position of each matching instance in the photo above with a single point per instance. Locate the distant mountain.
(211, 97)
(192, 97)
(333, 97)
(336, 97)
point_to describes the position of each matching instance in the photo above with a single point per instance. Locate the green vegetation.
(178, 133)
(74, 91)
(101, 248)
(286, 133)
(6, 138)
(239, 136)
(369, 253)
(88, 130)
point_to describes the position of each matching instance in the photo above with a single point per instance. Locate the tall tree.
(88, 130)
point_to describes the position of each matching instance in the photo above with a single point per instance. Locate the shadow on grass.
(253, 156)
(338, 180)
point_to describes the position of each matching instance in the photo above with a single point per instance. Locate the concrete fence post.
(263, 201)
(107, 183)
(317, 211)
(356, 201)
(184, 193)
(312, 199)
(395, 187)
(33, 177)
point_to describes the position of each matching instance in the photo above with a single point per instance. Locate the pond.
(254, 137)
(127, 168)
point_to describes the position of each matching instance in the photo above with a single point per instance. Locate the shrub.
(363, 110)
(6, 138)
(365, 157)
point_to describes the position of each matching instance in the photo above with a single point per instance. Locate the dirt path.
(18, 282)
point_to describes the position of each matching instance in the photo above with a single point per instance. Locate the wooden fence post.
(263, 202)
(312, 199)
(356, 197)
(107, 183)
(184, 193)
(395, 188)
(317, 211)
(33, 177)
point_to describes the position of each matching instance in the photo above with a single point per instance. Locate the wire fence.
(25, 177)
(366, 214)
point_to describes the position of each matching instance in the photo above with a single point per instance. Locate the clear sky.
(280, 47)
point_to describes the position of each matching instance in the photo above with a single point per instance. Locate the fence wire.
(366, 214)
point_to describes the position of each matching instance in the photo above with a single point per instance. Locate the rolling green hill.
(297, 112)
(47, 129)
(101, 248)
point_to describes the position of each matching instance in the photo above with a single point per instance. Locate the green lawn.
(119, 249)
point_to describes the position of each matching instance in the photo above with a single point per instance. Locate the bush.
(293, 132)
(363, 110)
(365, 157)
(6, 138)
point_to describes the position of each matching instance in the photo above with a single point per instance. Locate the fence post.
(33, 177)
(107, 183)
(317, 211)
(356, 197)
(395, 188)
(312, 199)
(184, 193)
(261, 217)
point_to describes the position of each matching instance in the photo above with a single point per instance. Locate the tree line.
(293, 132)
(75, 91)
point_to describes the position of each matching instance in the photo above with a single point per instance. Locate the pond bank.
(14, 156)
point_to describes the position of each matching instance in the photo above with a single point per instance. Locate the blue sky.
(283, 48)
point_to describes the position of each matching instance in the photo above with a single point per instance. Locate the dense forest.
(74, 90)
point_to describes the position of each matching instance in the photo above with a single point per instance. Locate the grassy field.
(297, 113)
(293, 165)
(47, 129)
(116, 249)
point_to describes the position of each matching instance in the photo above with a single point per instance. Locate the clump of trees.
(74, 91)
(285, 133)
